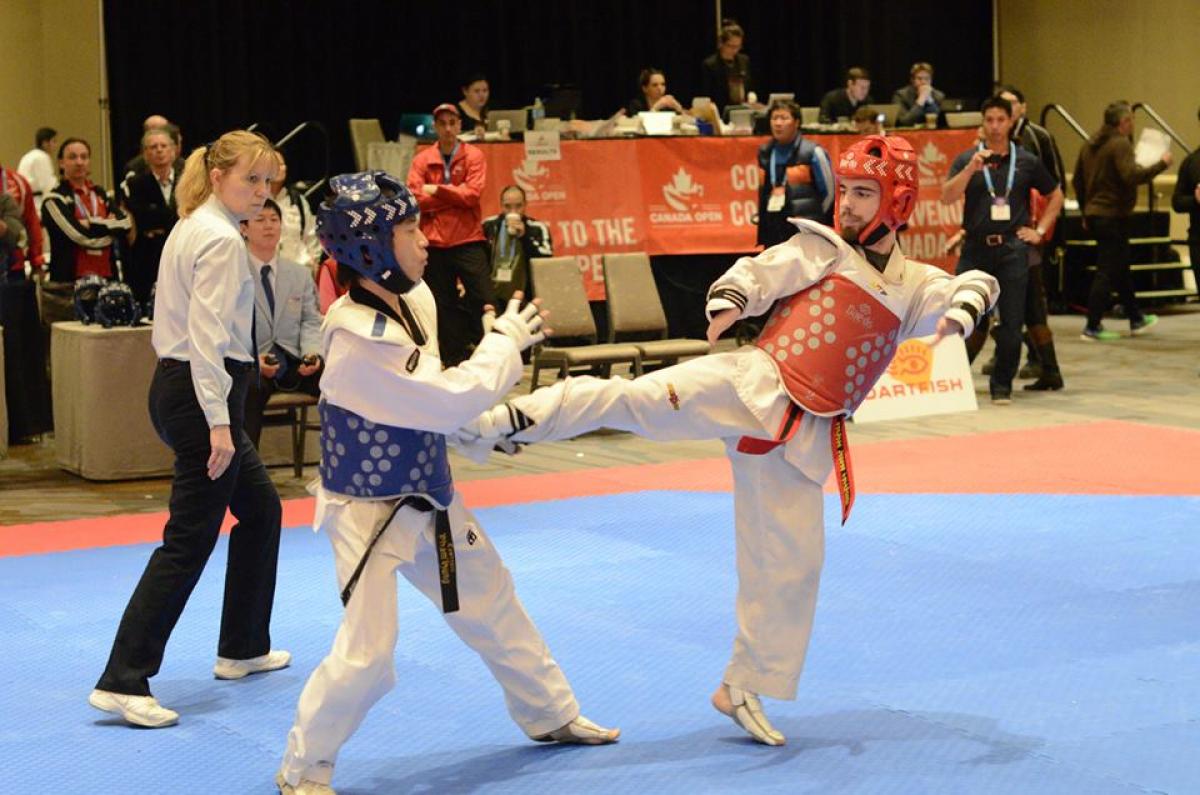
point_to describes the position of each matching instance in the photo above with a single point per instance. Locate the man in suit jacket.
(149, 197)
(919, 98)
(287, 323)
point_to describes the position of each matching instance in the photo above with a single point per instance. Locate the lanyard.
(446, 161)
(777, 181)
(508, 246)
(1012, 170)
(83, 208)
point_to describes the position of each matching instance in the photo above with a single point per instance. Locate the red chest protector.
(830, 343)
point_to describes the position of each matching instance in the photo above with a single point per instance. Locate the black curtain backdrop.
(214, 65)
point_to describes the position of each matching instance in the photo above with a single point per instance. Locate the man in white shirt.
(287, 321)
(37, 166)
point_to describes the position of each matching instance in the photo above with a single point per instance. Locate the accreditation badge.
(776, 200)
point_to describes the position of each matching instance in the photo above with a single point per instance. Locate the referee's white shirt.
(204, 303)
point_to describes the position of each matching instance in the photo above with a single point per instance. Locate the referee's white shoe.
(142, 711)
(236, 669)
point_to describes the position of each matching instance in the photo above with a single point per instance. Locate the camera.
(993, 159)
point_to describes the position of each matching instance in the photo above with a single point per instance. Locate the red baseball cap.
(446, 107)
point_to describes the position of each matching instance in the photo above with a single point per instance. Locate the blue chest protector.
(360, 458)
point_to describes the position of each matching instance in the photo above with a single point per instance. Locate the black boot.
(1051, 379)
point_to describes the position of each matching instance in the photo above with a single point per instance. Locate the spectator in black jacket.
(841, 103)
(515, 239)
(1186, 199)
(149, 198)
(727, 71)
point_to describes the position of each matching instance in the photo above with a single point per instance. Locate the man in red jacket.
(448, 180)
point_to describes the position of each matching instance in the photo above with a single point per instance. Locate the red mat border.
(1104, 457)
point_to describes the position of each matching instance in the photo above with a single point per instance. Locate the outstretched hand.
(524, 326)
(720, 324)
(946, 327)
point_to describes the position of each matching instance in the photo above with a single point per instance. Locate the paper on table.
(1151, 146)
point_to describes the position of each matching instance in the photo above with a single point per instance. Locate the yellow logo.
(913, 364)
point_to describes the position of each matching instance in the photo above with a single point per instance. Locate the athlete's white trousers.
(360, 668)
(777, 496)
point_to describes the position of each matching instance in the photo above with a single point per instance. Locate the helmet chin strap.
(396, 282)
(877, 234)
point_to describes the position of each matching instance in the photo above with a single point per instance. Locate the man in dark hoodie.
(1106, 180)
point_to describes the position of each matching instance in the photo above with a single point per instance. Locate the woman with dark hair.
(79, 219)
(653, 84)
(473, 106)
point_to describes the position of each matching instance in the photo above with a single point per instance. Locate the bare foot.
(744, 708)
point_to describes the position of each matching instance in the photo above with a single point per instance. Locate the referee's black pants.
(197, 509)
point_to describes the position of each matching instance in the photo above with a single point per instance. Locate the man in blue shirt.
(996, 177)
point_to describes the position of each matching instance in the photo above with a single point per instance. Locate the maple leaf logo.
(680, 188)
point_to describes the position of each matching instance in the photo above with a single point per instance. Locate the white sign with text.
(542, 145)
(922, 380)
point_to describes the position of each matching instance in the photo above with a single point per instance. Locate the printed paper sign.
(922, 380)
(542, 145)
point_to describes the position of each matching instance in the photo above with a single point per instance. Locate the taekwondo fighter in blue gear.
(386, 497)
(843, 301)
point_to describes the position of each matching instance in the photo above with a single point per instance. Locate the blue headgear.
(115, 306)
(355, 225)
(87, 292)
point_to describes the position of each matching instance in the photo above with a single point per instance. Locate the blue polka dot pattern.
(360, 458)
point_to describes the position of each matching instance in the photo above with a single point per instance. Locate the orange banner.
(687, 195)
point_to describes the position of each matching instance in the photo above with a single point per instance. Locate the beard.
(850, 228)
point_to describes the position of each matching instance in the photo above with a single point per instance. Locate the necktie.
(267, 289)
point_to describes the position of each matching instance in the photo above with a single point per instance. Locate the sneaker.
(236, 669)
(1098, 335)
(138, 710)
(1143, 326)
(1001, 397)
(305, 787)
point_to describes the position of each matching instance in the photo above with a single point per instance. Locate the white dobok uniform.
(385, 384)
(831, 336)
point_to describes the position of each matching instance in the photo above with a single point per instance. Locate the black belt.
(231, 365)
(443, 539)
(996, 240)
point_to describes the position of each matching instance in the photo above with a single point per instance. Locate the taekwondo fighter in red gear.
(843, 302)
(386, 496)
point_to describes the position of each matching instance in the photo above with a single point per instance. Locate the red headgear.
(890, 161)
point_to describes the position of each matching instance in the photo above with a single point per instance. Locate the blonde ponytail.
(195, 183)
